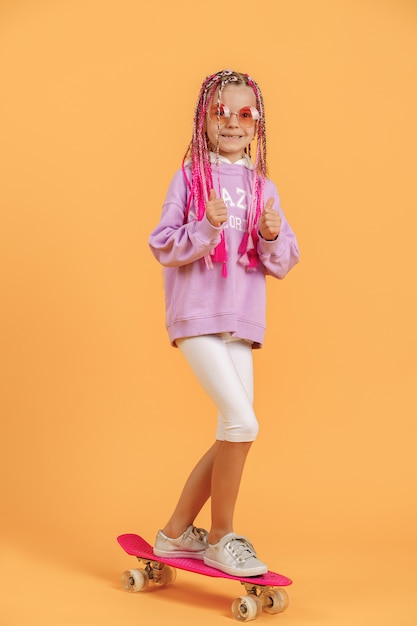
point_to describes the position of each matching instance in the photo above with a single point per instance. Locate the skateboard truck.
(138, 579)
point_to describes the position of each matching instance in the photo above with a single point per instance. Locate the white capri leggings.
(225, 370)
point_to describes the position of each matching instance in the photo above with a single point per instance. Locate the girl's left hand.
(269, 225)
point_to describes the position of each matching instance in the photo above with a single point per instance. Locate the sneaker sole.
(241, 573)
(173, 554)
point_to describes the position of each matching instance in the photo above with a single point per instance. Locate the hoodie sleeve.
(281, 254)
(174, 243)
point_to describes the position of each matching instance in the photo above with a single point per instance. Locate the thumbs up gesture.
(216, 210)
(270, 222)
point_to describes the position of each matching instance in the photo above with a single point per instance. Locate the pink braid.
(201, 169)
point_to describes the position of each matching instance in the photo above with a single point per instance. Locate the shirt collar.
(245, 160)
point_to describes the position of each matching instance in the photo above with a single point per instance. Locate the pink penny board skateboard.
(262, 592)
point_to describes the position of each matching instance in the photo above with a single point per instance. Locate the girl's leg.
(225, 371)
(195, 494)
(224, 459)
(227, 473)
(231, 458)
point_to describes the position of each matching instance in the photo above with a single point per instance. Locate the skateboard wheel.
(166, 576)
(246, 608)
(135, 580)
(275, 601)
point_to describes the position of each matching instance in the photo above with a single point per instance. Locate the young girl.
(221, 232)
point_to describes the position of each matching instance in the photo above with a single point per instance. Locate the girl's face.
(234, 136)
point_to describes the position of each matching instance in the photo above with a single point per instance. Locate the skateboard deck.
(263, 591)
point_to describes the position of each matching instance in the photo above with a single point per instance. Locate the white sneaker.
(191, 544)
(234, 555)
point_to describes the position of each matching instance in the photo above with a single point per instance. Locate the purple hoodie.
(200, 301)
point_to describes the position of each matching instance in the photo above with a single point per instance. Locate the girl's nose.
(233, 120)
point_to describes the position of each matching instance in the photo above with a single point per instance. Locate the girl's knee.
(247, 430)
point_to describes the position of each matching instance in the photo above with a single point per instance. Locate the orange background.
(101, 421)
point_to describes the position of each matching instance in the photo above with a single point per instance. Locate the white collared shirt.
(245, 160)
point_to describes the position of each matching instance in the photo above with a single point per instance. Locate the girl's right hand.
(216, 210)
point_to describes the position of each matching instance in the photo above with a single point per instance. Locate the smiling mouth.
(232, 136)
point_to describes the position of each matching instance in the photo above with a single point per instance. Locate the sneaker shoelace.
(200, 534)
(241, 549)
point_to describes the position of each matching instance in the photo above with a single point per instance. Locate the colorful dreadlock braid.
(201, 181)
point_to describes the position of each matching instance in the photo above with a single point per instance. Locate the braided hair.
(201, 182)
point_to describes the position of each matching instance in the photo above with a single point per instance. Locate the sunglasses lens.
(218, 112)
(247, 116)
